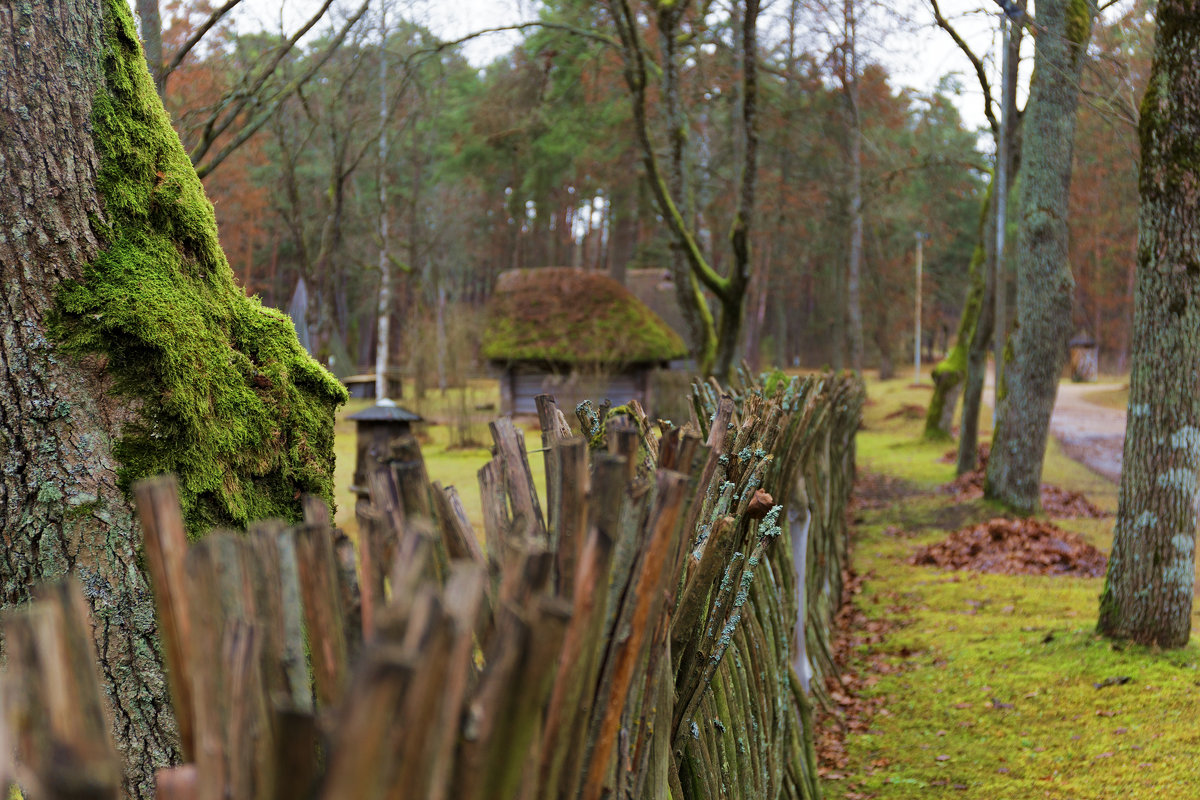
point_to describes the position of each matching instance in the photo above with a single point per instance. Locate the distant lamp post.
(921, 239)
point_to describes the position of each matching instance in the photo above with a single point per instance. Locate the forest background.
(531, 160)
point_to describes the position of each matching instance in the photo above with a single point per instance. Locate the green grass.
(890, 441)
(996, 698)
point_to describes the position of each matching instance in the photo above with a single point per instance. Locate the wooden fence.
(637, 632)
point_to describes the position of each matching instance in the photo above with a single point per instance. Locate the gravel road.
(1092, 434)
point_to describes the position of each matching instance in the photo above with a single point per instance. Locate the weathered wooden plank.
(52, 696)
(527, 520)
(638, 619)
(457, 534)
(295, 658)
(572, 457)
(165, 543)
(323, 615)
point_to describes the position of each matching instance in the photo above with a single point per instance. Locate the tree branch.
(976, 62)
(235, 101)
(213, 18)
(635, 79)
(272, 105)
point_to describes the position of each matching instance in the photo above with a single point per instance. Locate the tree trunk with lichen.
(1044, 284)
(126, 349)
(1150, 583)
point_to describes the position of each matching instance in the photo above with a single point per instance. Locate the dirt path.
(1092, 434)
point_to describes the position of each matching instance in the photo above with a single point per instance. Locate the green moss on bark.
(951, 371)
(224, 395)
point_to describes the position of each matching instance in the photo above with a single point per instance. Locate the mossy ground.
(997, 698)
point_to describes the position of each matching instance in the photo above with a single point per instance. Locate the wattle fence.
(656, 626)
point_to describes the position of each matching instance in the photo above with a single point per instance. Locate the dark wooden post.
(376, 428)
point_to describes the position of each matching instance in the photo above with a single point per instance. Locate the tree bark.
(1044, 284)
(1148, 591)
(951, 372)
(59, 479)
(126, 349)
(854, 265)
(151, 30)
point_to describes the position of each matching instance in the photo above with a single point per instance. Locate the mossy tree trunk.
(718, 349)
(1148, 591)
(1044, 284)
(126, 349)
(977, 358)
(951, 372)
(985, 327)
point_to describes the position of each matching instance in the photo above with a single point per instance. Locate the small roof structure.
(385, 411)
(573, 317)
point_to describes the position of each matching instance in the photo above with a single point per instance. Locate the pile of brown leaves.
(1062, 504)
(1056, 502)
(1014, 547)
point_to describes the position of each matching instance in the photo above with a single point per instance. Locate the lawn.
(985, 686)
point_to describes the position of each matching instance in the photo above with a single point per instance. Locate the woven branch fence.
(639, 632)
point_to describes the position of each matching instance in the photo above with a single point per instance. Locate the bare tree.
(716, 357)
(254, 98)
(965, 366)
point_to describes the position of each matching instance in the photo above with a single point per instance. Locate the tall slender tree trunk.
(977, 358)
(733, 299)
(965, 365)
(383, 319)
(1149, 588)
(854, 266)
(124, 345)
(1044, 283)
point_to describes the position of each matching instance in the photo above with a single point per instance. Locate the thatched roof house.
(575, 334)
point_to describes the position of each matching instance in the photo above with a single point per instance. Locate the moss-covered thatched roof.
(572, 316)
